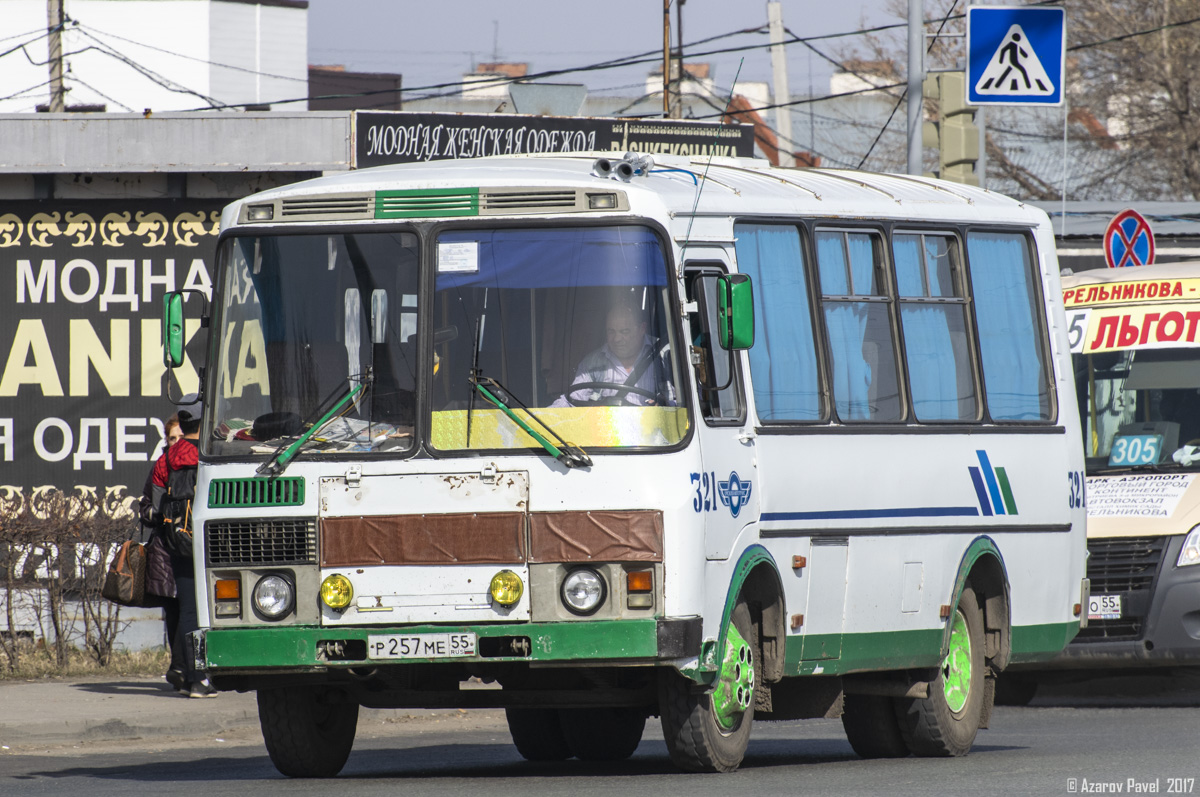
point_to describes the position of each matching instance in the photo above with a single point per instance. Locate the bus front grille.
(266, 542)
(1127, 567)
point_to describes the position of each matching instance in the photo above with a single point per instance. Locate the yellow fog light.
(337, 591)
(506, 588)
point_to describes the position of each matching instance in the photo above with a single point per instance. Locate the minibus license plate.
(1104, 607)
(420, 646)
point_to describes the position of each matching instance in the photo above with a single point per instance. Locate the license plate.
(1104, 607)
(420, 646)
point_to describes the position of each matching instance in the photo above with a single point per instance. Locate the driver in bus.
(627, 360)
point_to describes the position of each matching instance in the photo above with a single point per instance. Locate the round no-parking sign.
(1128, 240)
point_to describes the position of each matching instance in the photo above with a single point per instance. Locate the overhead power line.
(93, 30)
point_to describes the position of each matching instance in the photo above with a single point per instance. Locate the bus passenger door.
(725, 487)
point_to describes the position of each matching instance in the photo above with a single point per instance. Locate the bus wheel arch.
(763, 594)
(707, 728)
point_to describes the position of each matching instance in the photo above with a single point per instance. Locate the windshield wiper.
(570, 455)
(283, 456)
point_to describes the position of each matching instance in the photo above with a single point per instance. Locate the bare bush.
(54, 552)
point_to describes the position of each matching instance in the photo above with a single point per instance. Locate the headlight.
(337, 591)
(583, 591)
(1189, 554)
(506, 588)
(274, 596)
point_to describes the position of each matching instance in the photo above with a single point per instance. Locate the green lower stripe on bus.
(1041, 642)
(296, 646)
(834, 654)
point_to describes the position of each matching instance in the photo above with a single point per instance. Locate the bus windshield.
(306, 319)
(1140, 408)
(570, 322)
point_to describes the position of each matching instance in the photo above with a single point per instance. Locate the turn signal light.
(639, 581)
(228, 589)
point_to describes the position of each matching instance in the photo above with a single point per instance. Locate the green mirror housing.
(735, 312)
(172, 329)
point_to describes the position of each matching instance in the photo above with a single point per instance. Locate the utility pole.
(783, 115)
(54, 26)
(916, 76)
(678, 112)
(666, 59)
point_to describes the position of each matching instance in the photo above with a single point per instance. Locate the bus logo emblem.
(734, 493)
(992, 487)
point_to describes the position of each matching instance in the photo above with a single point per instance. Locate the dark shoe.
(177, 679)
(202, 689)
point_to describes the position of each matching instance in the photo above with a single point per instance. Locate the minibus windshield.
(1140, 408)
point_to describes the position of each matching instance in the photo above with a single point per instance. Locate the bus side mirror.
(173, 336)
(735, 312)
(172, 329)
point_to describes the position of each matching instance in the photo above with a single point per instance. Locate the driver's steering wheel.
(618, 400)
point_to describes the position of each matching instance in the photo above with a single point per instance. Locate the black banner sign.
(82, 397)
(402, 137)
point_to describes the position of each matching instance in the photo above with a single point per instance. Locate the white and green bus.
(595, 440)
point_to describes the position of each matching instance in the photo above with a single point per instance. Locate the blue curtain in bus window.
(862, 355)
(1009, 331)
(783, 360)
(935, 364)
(862, 263)
(564, 257)
(831, 260)
(938, 369)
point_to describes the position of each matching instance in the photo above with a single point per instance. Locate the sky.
(436, 41)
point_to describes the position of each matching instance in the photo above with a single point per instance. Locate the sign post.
(1015, 56)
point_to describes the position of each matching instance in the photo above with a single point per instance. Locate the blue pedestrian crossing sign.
(1015, 56)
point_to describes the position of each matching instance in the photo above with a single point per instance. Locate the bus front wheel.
(308, 731)
(603, 734)
(707, 730)
(537, 733)
(945, 722)
(871, 726)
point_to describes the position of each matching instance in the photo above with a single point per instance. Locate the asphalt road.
(1128, 735)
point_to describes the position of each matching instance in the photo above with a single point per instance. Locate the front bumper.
(1161, 626)
(303, 648)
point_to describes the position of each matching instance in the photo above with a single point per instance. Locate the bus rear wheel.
(945, 722)
(708, 730)
(308, 730)
(537, 733)
(872, 728)
(603, 734)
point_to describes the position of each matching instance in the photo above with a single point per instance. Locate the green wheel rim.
(734, 690)
(956, 667)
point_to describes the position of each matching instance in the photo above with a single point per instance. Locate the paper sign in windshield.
(460, 256)
(1152, 495)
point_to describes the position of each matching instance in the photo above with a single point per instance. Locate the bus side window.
(711, 361)
(858, 320)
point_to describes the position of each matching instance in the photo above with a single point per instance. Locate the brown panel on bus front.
(634, 536)
(487, 538)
